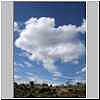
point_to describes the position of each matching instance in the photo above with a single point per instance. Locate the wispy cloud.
(28, 64)
(23, 65)
(17, 77)
(36, 78)
(18, 65)
(24, 54)
(82, 70)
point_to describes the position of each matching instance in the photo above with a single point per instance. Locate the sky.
(49, 42)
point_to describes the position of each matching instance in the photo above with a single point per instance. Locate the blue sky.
(49, 41)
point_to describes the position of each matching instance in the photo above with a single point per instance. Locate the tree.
(31, 83)
(15, 84)
(44, 84)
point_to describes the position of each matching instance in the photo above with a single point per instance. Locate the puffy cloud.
(42, 33)
(16, 27)
(82, 28)
(46, 43)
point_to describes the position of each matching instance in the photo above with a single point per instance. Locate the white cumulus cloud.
(16, 27)
(46, 43)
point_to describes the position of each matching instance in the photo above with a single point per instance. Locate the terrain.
(32, 90)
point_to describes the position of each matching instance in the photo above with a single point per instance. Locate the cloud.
(28, 64)
(29, 77)
(46, 43)
(23, 54)
(29, 73)
(17, 77)
(82, 70)
(49, 65)
(76, 62)
(37, 79)
(18, 65)
(80, 81)
(16, 27)
(57, 75)
(82, 28)
(52, 68)
(22, 65)
(42, 33)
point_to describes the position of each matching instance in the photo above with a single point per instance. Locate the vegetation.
(32, 90)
